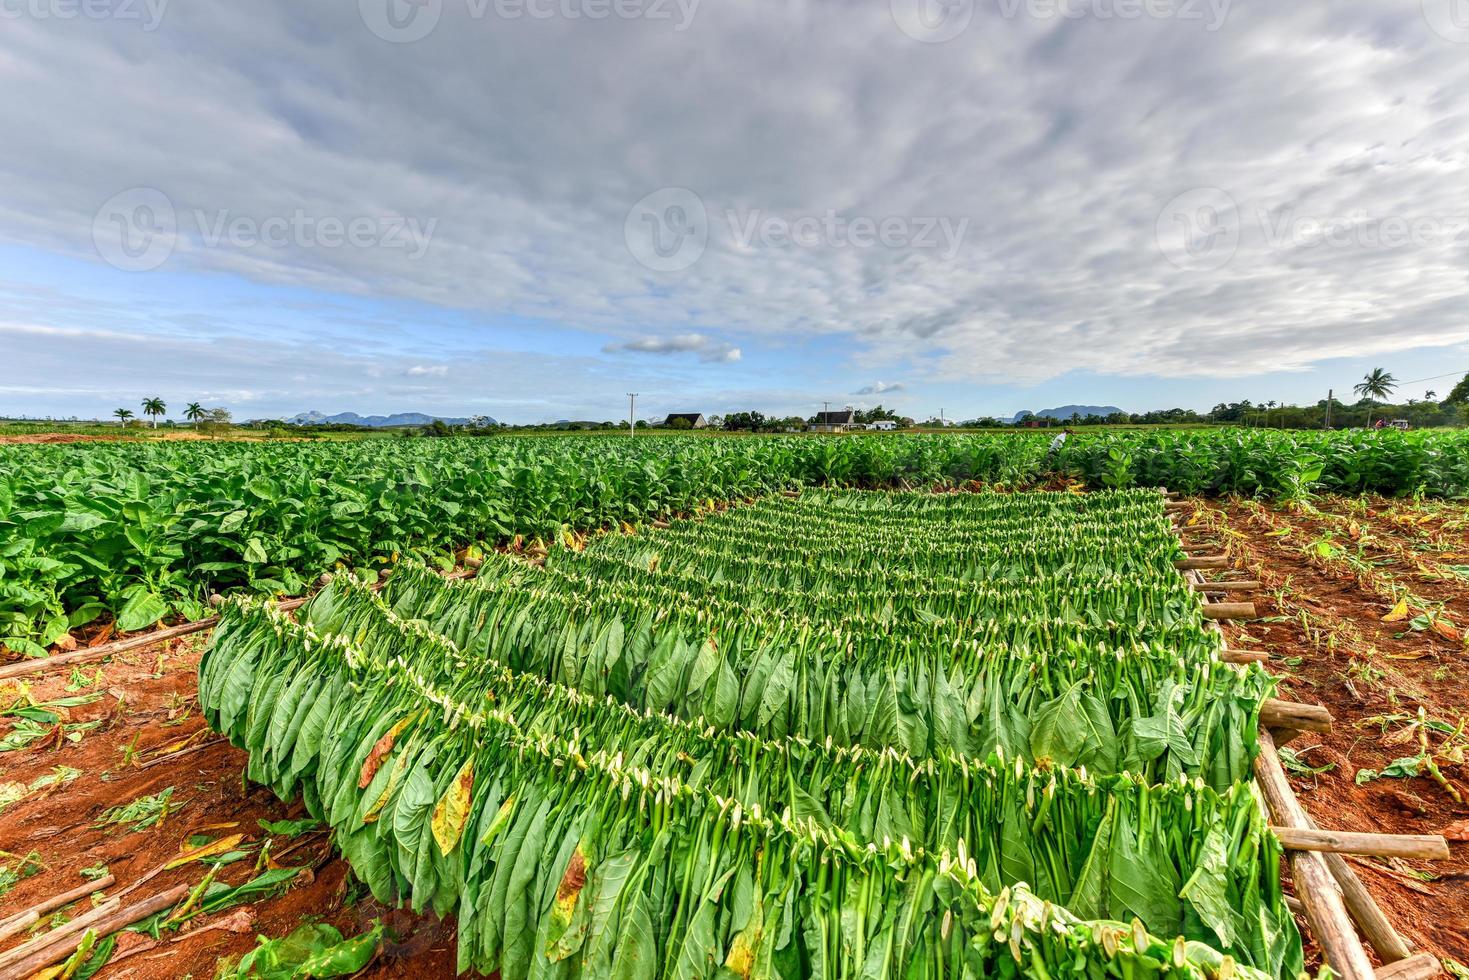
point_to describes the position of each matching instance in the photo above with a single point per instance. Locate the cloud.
(710, 351)
(1347, 115)
(880, 387)
(428, 371)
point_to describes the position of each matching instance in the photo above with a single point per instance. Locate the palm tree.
(1377, 385)
(154, 406)
(194, 413)
(123, 414)
(1430, 395)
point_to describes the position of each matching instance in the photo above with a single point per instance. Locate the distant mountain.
(1066, 411)
(378, 421)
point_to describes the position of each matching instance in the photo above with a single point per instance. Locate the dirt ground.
(1321, 618)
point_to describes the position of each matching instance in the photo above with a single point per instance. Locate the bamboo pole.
(55, 938)
(59, 948)
(1226, 586)
(1423, 847)
(1229, 610)
(24, 919)
(1315, 886)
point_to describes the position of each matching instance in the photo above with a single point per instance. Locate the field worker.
(1056, 445)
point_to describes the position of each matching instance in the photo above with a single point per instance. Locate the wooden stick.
(1229, 610)
(1424, 847)
(55, 937)
(1331, 927)
(1244, 656)
(23, 920)
(1202, 561)
(60, 948)
(1419, 967)
(1295, 716)
(1371, 921)
(1226, 586)
(1176, 505)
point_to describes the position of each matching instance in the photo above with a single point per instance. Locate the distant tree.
(1375, 386)
(123, 414)
(194, 413)
(213, 420)
(438, 429)
(1429, 395)
(681, 424)
(1460, 394)
(744, 421)
(154, 407)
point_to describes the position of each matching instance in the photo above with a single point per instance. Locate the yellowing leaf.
(453, 809)
(1399, 612)
(572, 882)
(380, 752)
(382, 801)
(220, 846)
(502, 818)
(1447, 630)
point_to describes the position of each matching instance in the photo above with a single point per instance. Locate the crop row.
(140, 532)
(602, 769)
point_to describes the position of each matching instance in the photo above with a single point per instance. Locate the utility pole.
(941, 418)
(632, 422)
(1329, 393)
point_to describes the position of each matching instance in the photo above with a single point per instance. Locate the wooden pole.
(1294, 716)
(55, 938)
(1202, 561)
(1244, 656)
(57, 948)
(1419, 967)
(1371, 921)
(1331, 927)
(1229, 610)
(23, 920)
(1423, 847)
(1226, 586)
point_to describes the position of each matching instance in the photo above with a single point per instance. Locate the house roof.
(836, 418)
(691, 416)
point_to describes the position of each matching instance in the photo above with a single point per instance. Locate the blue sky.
(760, 204)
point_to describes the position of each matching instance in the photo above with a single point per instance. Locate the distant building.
(882, 425)
(842, 421)
(695, 420)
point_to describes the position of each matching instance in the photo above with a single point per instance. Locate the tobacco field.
(826, 734)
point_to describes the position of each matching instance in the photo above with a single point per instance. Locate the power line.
(1436, 377)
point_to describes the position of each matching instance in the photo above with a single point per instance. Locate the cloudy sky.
(527, 208)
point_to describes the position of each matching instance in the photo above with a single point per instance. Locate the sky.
(529, 208)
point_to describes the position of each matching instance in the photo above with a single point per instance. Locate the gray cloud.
(710, 351)
(528, 141)
(881, 387)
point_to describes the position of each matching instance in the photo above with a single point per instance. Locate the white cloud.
(428, 371)
(1060, 141)
(710, 351)
(880, 387)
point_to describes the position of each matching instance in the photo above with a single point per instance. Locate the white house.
(882, 425)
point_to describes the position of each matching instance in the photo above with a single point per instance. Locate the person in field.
(1056, 445)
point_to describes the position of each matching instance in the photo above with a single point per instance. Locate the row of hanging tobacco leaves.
(820, 737)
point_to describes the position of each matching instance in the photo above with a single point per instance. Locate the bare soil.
(1330, 646)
